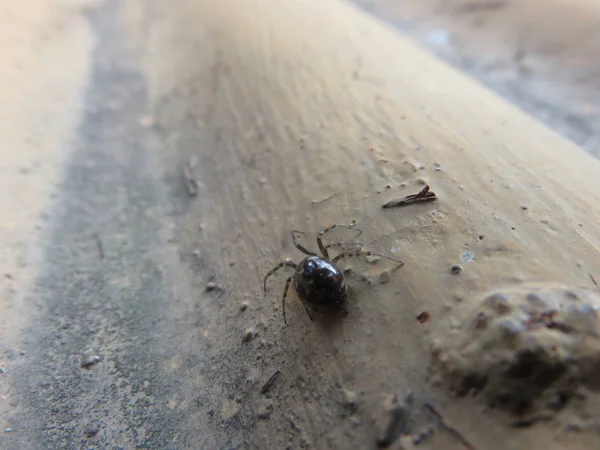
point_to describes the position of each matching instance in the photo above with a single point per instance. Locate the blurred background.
(541, 55)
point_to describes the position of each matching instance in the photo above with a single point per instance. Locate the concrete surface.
(541, 55)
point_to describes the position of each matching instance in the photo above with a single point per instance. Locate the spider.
(318, 281)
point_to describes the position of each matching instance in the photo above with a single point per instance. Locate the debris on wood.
(249, 334)
(424, 317)
(399, 423)
(467, 256)
(350, 399)
(211, 286)
(88, 361)
(446, 426)
(91, 431)
(424, 195)
(99, 246)
(265, 409)
(269, 384)
(324, 199)
(384, 277)
(455, 269)
(190, 181)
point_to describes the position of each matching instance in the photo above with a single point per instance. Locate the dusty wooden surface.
(289, 119)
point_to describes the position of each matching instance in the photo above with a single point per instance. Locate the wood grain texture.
(300, 114)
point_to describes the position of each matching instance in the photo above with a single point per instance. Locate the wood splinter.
(425, 195)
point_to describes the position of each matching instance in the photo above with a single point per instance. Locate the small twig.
(450, 429)
(314, 202)
(425, 195)
(269, 384)
(99, 246)
(190, 182)
(593, 280)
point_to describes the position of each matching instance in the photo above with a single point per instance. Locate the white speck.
(467, 256)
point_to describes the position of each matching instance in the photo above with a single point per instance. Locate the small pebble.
(211, 286)
(91, 431)
(424, 317)
(524, 208)
(8, 430)
(265, 410)
(384, 277)
(88, 362)
(248, 335)
(350, 398)
(456, 269)
(244, 306)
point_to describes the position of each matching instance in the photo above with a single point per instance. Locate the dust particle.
(88, 361)
(384, 277)
(91, 431)
(424, 318)
(249, 334)
(350, 398)
(456, 269)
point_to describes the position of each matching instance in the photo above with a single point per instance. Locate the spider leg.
(322, 247)
(356, 245)
(285, 291)
(367, 253)
(299, 246)
(275, 269)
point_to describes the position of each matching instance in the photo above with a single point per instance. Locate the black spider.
(318, 281)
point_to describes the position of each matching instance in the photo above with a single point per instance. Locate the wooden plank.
(308, 113)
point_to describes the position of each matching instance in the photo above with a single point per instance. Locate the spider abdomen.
(321, 284)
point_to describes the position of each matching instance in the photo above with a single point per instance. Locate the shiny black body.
(318, 281)
(321, 285)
